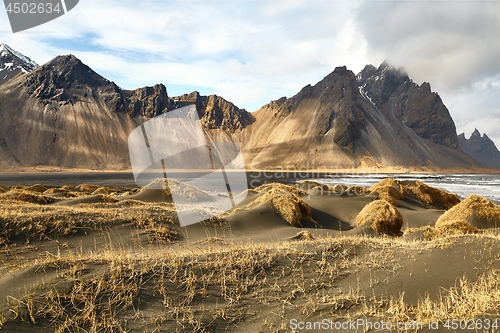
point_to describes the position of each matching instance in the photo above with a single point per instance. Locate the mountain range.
(482, 148)
(65, 114)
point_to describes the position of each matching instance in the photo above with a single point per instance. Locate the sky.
(255, 51)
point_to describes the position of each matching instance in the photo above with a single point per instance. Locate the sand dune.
(99, 258)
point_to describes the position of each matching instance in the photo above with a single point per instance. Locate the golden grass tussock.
(86, 188)
(390, 190)
(34, 221)
(304, 235)
(453, 227)
(432, 196)
(4, 188)
(315, 188)
(356, 189)
(466, 300)
(102, 190)
(26, 196)
(37, 188)
(286, 201)
(286, 207)
(169, 186)
(394, 190)
(273, 188)
(382, 217)
(476, 210)
(55, 190)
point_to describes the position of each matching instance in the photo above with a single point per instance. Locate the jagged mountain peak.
(68, 70)
(216, 113)
(476, 133)
(13, 64)
(11, 58)
(393, 92)
(482, 148)
(64, 75)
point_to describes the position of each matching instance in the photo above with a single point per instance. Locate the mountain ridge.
(65, 114)
(481, 148)
(343, 121)
(13, 63)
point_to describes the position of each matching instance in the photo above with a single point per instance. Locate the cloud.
(449, 43)
(251, 52)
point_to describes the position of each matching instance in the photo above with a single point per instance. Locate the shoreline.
(331, 170)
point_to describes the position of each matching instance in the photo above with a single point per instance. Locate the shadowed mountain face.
(421, 110)
(216, 113)
(379, 116)
(65, 114)
(480, 148)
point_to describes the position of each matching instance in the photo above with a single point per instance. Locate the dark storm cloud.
(449, 42)
(454, 45)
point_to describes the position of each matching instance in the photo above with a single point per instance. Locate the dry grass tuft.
(476, 210)
(381, 216)
(434, 197)
(452, 227)
(55, 191)
(32, 221)
(102, 190)
(273, 188)
(86, 188)
(304, 235)
(312, 187)
(287, 207)
(286, 201)
(26, 196)
(467, 300)
(394, 190)
(390, 190)
(37, 188)
(169, 186)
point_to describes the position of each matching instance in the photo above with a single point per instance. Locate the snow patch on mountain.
(11, 59)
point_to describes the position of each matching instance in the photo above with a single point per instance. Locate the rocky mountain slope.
(482, 148)
(13, 64)
(379, 117)
(65, 114)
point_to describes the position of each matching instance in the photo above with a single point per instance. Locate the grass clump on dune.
(313, 188)
(390, 190)
(394, 190)
(434, 197)
(169, 186)
(31, 221)
(382, 217)
(451, 228)
(286, 201)
(26, 196)
(288, 208)
(477, 211)
(86, 188)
